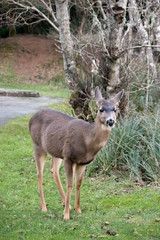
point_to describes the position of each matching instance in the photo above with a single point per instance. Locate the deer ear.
(118, 96)
(98, 94)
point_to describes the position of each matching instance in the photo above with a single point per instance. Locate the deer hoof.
(44, 209)
(78, 210)
(66, 216)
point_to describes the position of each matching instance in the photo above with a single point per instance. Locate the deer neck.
(99, 135)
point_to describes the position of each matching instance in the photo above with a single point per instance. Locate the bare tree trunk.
(156, 41)
(117, 18)
(80, 96)
(12, 31)
(118, 10)
(145, 40)
(12, 28)
(66, 43)
(151, 66)
(131, 25)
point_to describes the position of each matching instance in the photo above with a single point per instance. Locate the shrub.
(133, 147)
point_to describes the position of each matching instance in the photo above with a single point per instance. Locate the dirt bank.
(35, 58)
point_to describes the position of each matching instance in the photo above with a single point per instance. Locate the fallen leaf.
(72, 228)
(106, 223)
(129, 217)
(92, 228)
(157, 219)
(111, 232)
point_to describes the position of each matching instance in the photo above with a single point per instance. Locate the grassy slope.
(130, 210)
(57, 88)
(54, 86)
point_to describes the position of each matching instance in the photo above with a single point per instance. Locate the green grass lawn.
(45, 89)
(132, 211)
(55, 88)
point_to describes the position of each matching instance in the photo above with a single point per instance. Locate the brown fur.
(71, 139)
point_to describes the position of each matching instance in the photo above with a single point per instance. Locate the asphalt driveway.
(14, 107)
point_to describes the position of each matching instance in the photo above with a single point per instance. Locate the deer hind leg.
(69, 169)
(79, 176)
(55, 165)
(40, 157)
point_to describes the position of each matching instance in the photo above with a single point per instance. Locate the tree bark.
(80, 96)
(117, 14)
(145, 40)
(156, 38)
(66, 43)
(145, 37)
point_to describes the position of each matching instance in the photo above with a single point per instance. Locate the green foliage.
(138, 98)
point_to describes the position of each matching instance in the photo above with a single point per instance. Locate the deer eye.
(114, 110)
(101, 110)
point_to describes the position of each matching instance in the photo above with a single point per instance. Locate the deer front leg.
(69, 175)
(79, 176)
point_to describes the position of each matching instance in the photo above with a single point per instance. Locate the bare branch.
(49, 9)
(97, 22)
(137, 47)
(32, 7)
(102, 10)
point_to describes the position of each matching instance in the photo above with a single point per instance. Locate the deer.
(75, 141)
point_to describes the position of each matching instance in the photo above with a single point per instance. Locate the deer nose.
(110, 122)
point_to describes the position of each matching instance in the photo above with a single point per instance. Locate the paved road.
(14, 107)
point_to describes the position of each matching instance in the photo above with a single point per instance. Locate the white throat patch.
(105, 127)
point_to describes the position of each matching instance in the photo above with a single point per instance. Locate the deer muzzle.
(110, 122)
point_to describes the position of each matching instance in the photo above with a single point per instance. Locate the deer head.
(107, 109)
